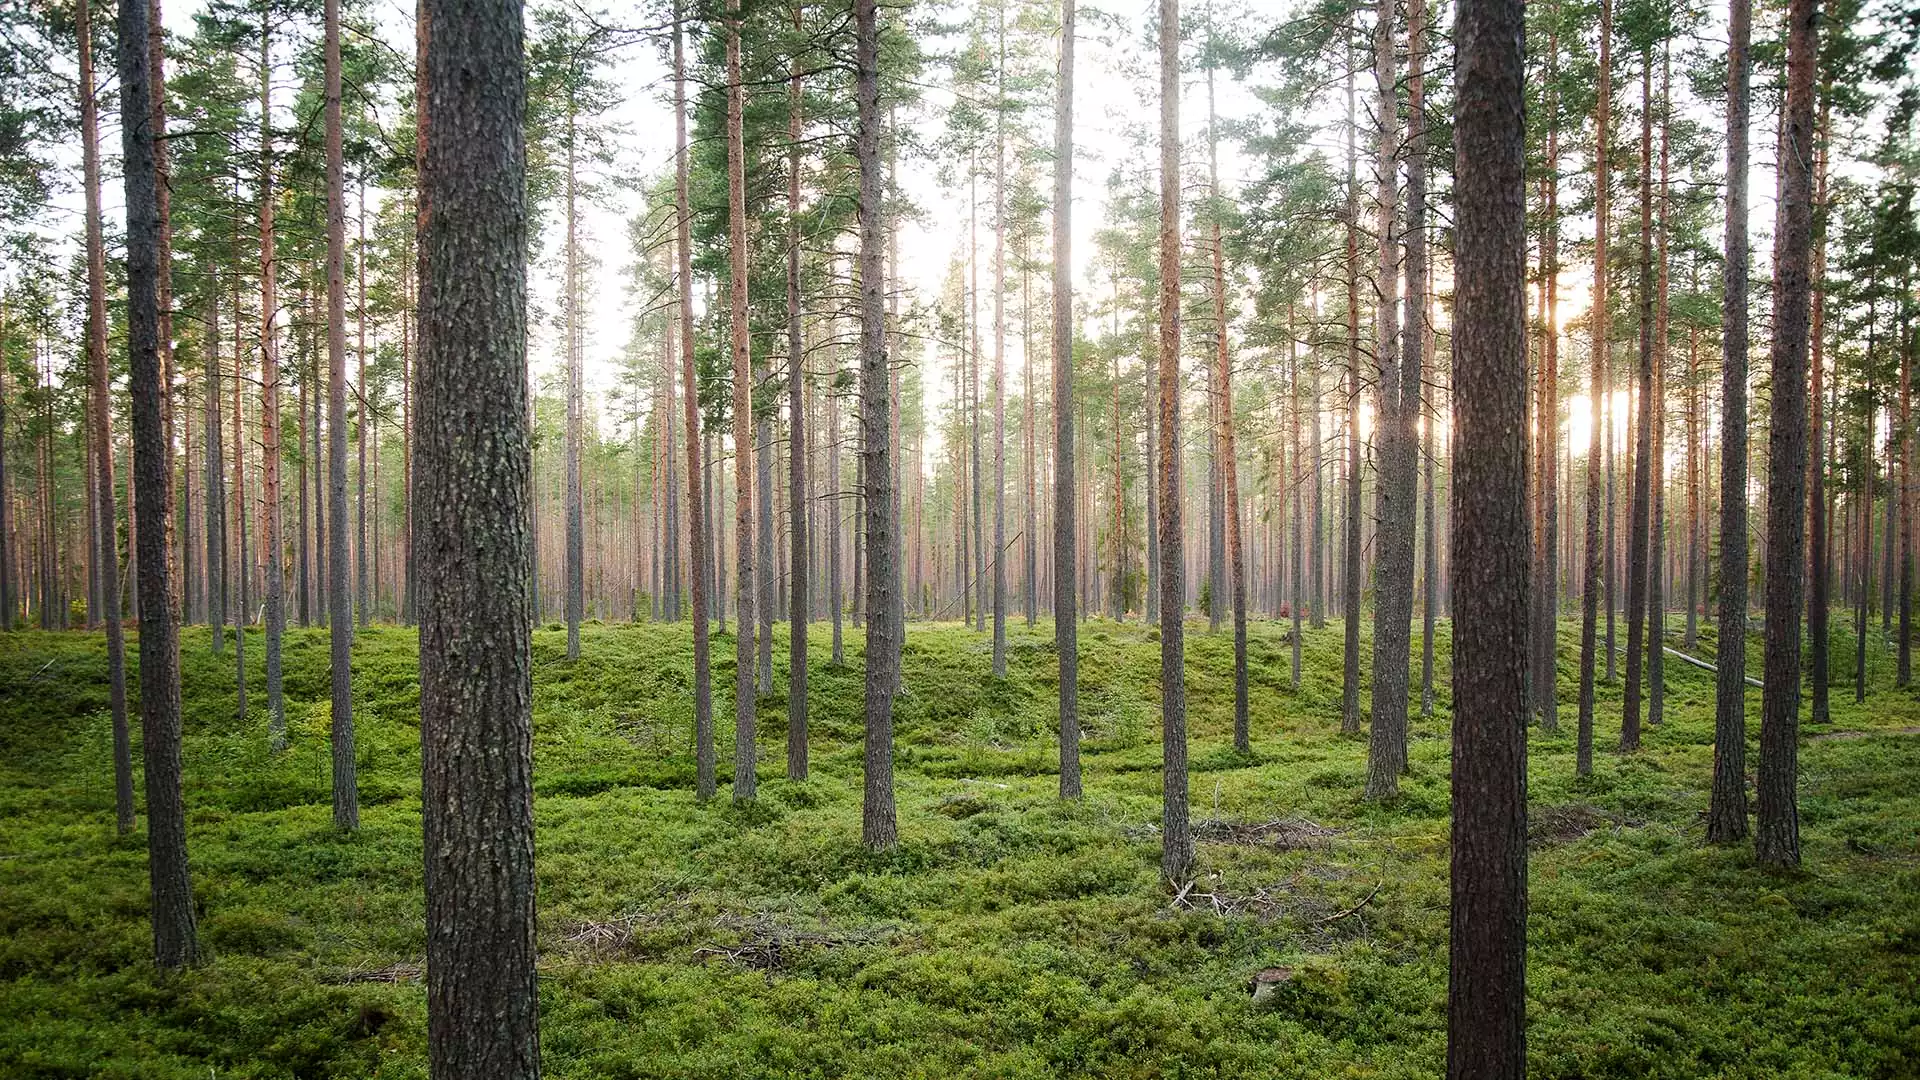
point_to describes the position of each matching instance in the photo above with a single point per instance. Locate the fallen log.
(1705, 666)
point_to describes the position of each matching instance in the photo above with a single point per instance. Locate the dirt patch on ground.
(1567, 822)
(1285, 834)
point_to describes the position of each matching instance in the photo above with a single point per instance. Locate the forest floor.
(1008, 935)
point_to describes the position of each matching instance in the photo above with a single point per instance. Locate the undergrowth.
(1009, 935)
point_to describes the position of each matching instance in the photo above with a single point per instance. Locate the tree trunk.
(107, 551)
(346, 799)
(1486, 992)
(1066, 628)
(1777, 837)
(1904, 491)
(1000, 360)
(216, 482)
(475, 557)
(697, 507)
(1639, 528)
(1819, 604)
(243, 567)
(1350, 575)
(796, 446)
(878, 827)
(1657, 423)
(1176, 838)
(744, 779)
(1727, 807)
(1399, 364)
(1224, 435)
(271, 544)
(576, 528)
(163, 276)
(1592, 580)
(362, 598)
(170, 893)
(1547, 529)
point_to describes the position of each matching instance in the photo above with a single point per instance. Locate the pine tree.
(475, 554)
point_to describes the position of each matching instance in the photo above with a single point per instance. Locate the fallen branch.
(1355, 909)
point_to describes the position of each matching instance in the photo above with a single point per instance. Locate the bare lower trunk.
(475, 555)
(1176, 838)
(170, 893)
(744, 780)
(346, 799)
(1486, 991)
(1777, 836)
(1727, 807)
(1594, 577)
(698, 508)
(1066, 630)
(107, 552)
(796, 450)
(878, 827)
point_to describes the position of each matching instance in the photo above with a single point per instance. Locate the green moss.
(1008, 936)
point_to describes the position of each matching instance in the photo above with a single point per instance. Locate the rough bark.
(878, 828)
(1593, 577)
(1487, 991)
(346, 799)
(216, 480)
(1350, 576)
(1727, 806)
(1657, 423)
(170, 893)
(697, 507)
(1000, 360)
(576, 526)
(1777, 832)
(796, 447)
(1638, 526)
(1176, 837)
(1066, 629)
(271, 543)
(744, 780)
(476, 721)
(363, 599)
(1547, 530)
(107, 550)
(1819, 604)
(1224, 436)
(1400, 367)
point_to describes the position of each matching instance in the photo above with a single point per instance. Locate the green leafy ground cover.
(1008, 936)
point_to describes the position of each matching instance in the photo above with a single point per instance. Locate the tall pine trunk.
(1486, 991)
(107, 551)
(1594, 576)
(879, 829)
(1066, 629)
(475, 555)
(1000, 360)
(1176, 837)
(744, 781)
(1639, 528)
(796, 446)
(1777, 835)
(698, 508)
(1727, 805)
(271, 544)
(170, 893)
(576, 527)
(346, 799)
(1350, 574)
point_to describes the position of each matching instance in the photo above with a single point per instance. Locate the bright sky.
(1108, 102)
